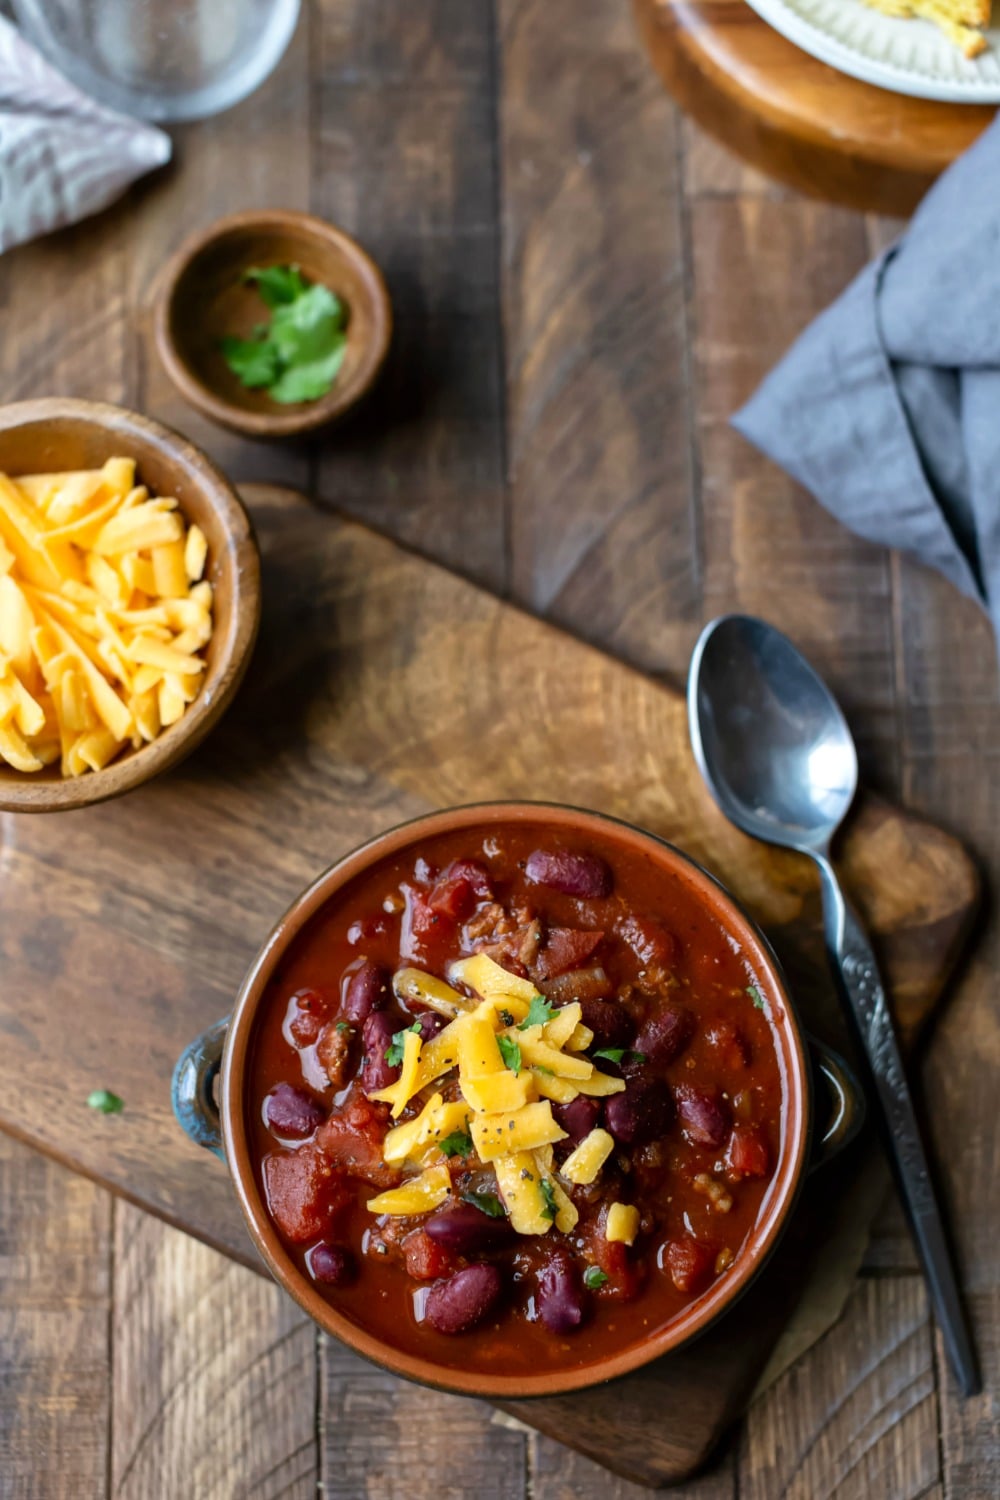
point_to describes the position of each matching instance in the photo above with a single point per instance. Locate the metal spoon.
(778, 757)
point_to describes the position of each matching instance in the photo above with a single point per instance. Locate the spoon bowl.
(768, 735)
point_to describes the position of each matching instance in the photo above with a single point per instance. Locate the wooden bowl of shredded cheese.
(129, 601)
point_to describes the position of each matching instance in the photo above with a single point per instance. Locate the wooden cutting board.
(383, 686)
(796, 118)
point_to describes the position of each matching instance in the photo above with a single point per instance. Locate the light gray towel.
(62, 156)
(888, 407)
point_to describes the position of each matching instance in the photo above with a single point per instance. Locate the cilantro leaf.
(307, 382)
(756, 997)
(551, 1206)
(305, 330)
(394, 1051)
(459, 1143)
(487, 1203)
(593, 1277)
(107, 1102)
(276, 284)
(298, 355)
(510, 1052)
(252, 361)
(539, 1011)
(343, 1026)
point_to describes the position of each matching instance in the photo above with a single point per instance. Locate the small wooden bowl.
(56, 434)
(201, 297)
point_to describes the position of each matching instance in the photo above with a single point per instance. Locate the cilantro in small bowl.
(297, 354)
(272, 323)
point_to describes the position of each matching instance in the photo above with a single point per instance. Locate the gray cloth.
(62, 155)
(888, 407)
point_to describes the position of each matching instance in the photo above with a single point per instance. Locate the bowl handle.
(192, 1090)
(846, 1103)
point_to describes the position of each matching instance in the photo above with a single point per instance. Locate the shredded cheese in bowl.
(104, 616)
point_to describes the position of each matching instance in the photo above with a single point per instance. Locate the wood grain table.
(585, 288)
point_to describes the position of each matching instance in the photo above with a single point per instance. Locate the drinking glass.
(162, 59)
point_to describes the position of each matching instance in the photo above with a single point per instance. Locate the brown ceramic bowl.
(201, 298)
(194, 1077)
(55, 434)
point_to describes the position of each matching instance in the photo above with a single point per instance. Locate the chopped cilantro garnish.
(548, 1193)
(343, 1026)
(395, 1049)
(107, 1102)
(459, 1143)
(487, 1203)
(593, 1277)
(756, 996)
(510, 1052)
(539, 1011)
(615, 1054)
(298, 355)
(541, 1068)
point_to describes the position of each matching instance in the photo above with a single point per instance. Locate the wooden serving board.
(796, 118)
(383, 686)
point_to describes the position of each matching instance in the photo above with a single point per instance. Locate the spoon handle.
(857, 973)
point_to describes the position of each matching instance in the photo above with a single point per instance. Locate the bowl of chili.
(515, 1099)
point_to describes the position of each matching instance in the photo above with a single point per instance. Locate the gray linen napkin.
(888, 407)
(62, 155)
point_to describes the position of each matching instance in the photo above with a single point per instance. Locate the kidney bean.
(578, 1118)
(376, 1037)
(465, 1230)
(583, 875)
(560, 1294)
(430, 1023)
(333, 1265)
(307, 1014)
(703, 1116)
(609, 1021)
(689, 1263)
(366, 990)
(458, 1304)
(291, 1113)
(666, 1033)
(642, 1113)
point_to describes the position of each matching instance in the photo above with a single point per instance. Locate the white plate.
(909, 57)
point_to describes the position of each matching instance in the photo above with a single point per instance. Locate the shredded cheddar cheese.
(513, 1055)
(622, 1223)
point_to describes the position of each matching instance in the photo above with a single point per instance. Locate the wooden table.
(585, 289)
